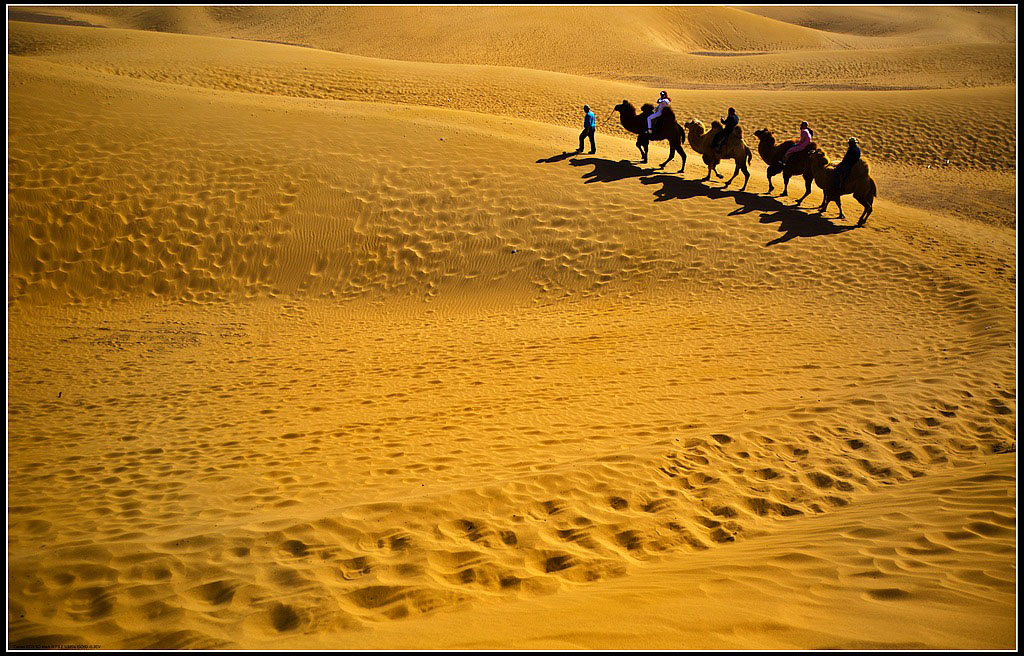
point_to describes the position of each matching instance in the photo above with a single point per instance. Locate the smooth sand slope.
(333, 347)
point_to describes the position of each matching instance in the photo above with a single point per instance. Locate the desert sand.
(320, 335)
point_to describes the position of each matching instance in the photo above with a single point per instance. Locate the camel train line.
(811, 163)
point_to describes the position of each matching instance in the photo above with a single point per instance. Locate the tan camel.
(665, 128)
(773, 153)
(733, 149)
(858, 183)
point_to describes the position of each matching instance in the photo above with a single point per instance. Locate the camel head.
(694, 124)
(625, 107)
(817, 157)
(764, 134)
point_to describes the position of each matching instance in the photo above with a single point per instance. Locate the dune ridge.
(279, 70)
(342, 346)
(947, 57)
(487, 34)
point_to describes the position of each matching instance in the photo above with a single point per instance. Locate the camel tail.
(750, 155)
(874, 190)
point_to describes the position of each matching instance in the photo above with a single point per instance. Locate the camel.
(733, 149)
(772, 153)
(858, 183)
(665, 129)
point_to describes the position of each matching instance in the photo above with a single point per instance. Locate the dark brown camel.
(858, 183)
(773, 153)
(665, 129)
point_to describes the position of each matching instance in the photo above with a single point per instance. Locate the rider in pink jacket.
(806, 134)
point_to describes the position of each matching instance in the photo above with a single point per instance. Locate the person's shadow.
(558, 158)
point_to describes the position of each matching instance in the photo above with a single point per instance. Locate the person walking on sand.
(663, 102)
(589, 127)
(806, 134)
(728, 124)
(845, 166)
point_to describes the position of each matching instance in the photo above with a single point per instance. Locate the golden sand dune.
(330, 349)
(951, 131)
(857, 573)
(673, 47)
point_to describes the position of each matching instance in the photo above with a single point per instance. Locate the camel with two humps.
(665, 129)
(772, 153)
(858, 183)
(733, 149)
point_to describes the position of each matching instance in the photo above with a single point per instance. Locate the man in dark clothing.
(589, 126)
(728, 124)
(845, 166)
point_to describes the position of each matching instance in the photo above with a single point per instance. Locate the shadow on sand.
(798, 223)
(606, 170)
(793, 221)
(558, 158)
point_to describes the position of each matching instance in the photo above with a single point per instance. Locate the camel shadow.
(606, 170)
(676, 188)
(795, 223)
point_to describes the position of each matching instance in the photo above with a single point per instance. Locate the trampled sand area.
(321, 336)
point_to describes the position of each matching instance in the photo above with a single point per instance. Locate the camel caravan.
(724, 141)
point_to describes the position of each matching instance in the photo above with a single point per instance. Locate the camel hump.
(667, 116)
(860, 167)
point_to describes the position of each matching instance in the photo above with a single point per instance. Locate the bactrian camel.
(733, 149)
(665, 129)
(772, 153)
(858, 183)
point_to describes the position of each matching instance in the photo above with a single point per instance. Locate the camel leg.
(785, 188)
(771, 173)
(683, 156)
(746, 175)
(868, 206)
(708, 176)
(839, 204)
(807, 191)
(671, 154)
(734, 174)
(864, 217)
